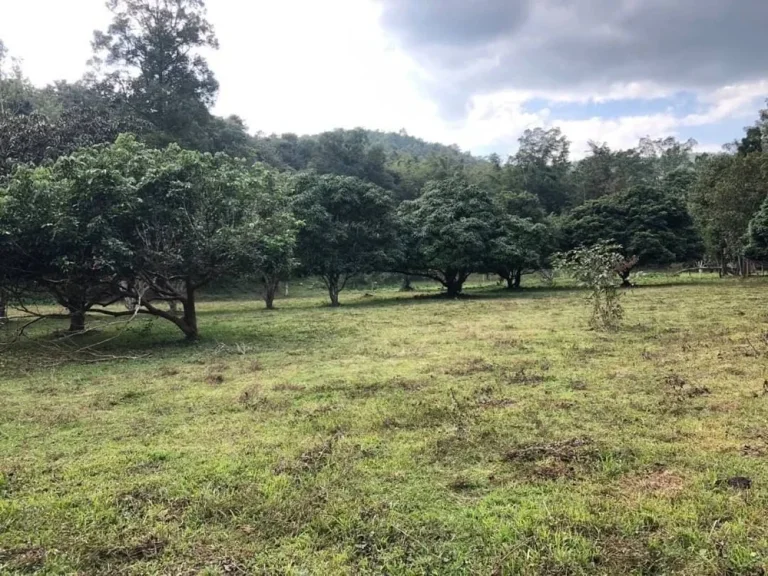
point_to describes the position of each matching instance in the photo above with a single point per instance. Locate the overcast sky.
(471, 72)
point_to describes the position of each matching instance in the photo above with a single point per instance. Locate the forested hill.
(298, 152)
(395, 161)
(403, 143)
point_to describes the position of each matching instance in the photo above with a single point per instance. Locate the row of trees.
(128, 222)
(153, 217)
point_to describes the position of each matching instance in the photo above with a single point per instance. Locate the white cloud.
(496, 120)
(306, 66)
(53, 37)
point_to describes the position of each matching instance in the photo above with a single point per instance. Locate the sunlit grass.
(398, 434)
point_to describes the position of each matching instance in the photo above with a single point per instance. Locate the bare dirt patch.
(572, 450)
(657, 483)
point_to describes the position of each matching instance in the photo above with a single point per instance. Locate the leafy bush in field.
(595, 267)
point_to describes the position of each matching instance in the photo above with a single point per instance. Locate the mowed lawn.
(399, 435)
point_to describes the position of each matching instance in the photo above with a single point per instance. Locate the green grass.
(398, 435)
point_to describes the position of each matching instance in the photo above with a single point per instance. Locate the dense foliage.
(128, 222)
(449, 232)
(649, 225)
(348, 228)
(93, 218)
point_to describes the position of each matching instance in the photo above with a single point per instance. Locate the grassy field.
(399, 435)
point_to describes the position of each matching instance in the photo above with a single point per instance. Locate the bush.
(595, 267)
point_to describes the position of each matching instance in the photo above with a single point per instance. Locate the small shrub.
(595, 268)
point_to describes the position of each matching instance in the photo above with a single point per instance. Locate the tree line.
(124, 187)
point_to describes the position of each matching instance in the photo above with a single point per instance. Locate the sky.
(476, 73)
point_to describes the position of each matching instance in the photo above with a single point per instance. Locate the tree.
(727, 193)
(125, 221)
(757, 234)
(524, 241)
(64, 228)
(150, 56)
(752, 141)
(349, 228)
(594, 267)
(57, 121)
(200, 217)
(644, 222)
(605, 172)
(7, 253)
(273, 244)
(16, 92)
(541, 165)
(449, 232)
(349, 153)
(666, 155)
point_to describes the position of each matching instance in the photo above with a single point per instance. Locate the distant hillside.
(395, 161)
(403, 143)
(289, 151)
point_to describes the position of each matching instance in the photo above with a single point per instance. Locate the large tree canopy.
(127, 221)
(727, 193)
(647, 223)
(150, 56)
(449, 232)
(349, 227)
(66, 226)
(525, 239)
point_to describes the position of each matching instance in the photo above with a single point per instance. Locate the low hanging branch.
(67, 346)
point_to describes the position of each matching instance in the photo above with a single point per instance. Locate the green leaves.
(594, 267)
(728, 192)
(122, 219)
(643, 221)
(349, 226)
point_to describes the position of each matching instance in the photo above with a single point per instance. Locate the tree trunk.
(453, 283)
(625, 283)
(518, 278)
(3, 310)
(188, 322)
(271, 286)
(510, 281)
(333, 292)
(333, 289)
(76, 321)
(405, 286)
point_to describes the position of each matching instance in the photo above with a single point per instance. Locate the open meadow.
(396, 434)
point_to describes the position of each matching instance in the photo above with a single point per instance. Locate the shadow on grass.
(481, 293)
(145, 338)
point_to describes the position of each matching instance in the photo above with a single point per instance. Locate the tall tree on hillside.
(604, 171)
(541, 165)
(349, 153)
(16, 92)
(150, 56)
(39, 125)
(667, 155)
(752, 141)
